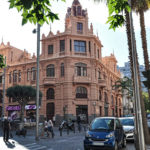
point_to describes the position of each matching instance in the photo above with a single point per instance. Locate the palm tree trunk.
(144, 44)
(146, 133)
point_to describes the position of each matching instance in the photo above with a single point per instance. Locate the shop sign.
(10, 108)
(29, 107)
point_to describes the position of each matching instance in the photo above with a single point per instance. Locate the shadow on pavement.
(10, 145)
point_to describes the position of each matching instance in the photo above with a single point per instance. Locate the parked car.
(105, 133)
(128, 126)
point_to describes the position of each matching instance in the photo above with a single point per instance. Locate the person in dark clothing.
(6, 128)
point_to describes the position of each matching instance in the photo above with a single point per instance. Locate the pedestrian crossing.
(34, 146)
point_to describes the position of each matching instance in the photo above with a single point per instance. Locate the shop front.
(30, 112)
(13, 111)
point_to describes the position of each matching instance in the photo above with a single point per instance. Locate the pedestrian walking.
(46, 127)
(6, 129)
(54, 119)
(50, 128)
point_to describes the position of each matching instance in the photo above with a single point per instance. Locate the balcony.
(81, 79)
(102, 83)
(49, 81)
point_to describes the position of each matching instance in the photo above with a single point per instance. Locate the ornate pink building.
(74, 77)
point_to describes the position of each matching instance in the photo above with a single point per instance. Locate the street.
(73, 141)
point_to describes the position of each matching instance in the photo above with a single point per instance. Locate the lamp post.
(139, 124)
(3, 79)
(94, 105)
(37, 82)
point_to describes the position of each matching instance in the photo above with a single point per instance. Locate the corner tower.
(76, 21)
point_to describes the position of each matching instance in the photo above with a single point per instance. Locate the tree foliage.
(22, 94)
(146, 101)
(2, 64)
(34, 11)
(124, 84)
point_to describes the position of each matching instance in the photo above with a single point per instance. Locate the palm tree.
(146, 133)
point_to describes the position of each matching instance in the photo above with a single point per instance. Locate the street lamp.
(3, 79)
(37, 81)
(94, 105)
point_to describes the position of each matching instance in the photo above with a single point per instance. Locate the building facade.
(74, 77)
(126, 71)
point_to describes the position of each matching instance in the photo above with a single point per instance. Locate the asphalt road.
(73, 141)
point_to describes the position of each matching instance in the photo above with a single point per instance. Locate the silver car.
(128, 126)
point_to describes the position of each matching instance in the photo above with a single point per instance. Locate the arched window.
(15, 76)
(50, 94)
(81, 69)
(10, 77)
(28, 74)
(33, 71)
(19, 75)
(50, 70)
(79, 10)
(62, 69)
(112, 100)
(74, 10)
(100, 95)
(105, 98)
(81, 92)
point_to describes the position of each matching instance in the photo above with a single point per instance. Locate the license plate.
(98, 143)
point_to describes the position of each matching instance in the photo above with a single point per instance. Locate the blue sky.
(22, 37)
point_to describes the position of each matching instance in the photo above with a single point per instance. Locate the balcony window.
(100, 95)
(112, 100)
(79, 27)
(50, 94)
(28, 74)
(50, 71)
(1, 78)
(10, 77)
(15, 76)
(62, 69)
(50, 49)
(62, 45)
(81, 69)
(19, 75)
(80, 46)
(33, 72)
(105, 98)
(99, 74)
(81, 92)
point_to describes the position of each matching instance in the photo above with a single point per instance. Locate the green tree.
(146, 101)
(23, 95)
(34, 11)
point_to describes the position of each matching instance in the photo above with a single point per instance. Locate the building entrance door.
(50, 110)
(82, 111)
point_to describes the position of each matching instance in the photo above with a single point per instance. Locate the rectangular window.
(19, 76)
(79, 27)
(89, 46)
(10, 77)
(62, 45)
(70, 45)
(15, 76)
(28, 75)
(50, 49)
(98, 53)
(80, 46)
(100, 110)
(99, 75)
(1, 77)
(62, 70)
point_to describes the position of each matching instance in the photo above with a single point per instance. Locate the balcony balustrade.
(49, 81)
(102, 83)
(81, 79)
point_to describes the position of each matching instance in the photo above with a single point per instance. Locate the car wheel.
(124, 143)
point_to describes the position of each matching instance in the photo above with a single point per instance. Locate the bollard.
(67, 131)
(60, 131)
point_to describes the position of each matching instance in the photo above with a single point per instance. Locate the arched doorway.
(50, 110)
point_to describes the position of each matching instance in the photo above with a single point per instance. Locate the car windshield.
(127, 122)
(102, 124)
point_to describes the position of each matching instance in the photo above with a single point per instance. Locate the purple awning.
(9, 108)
